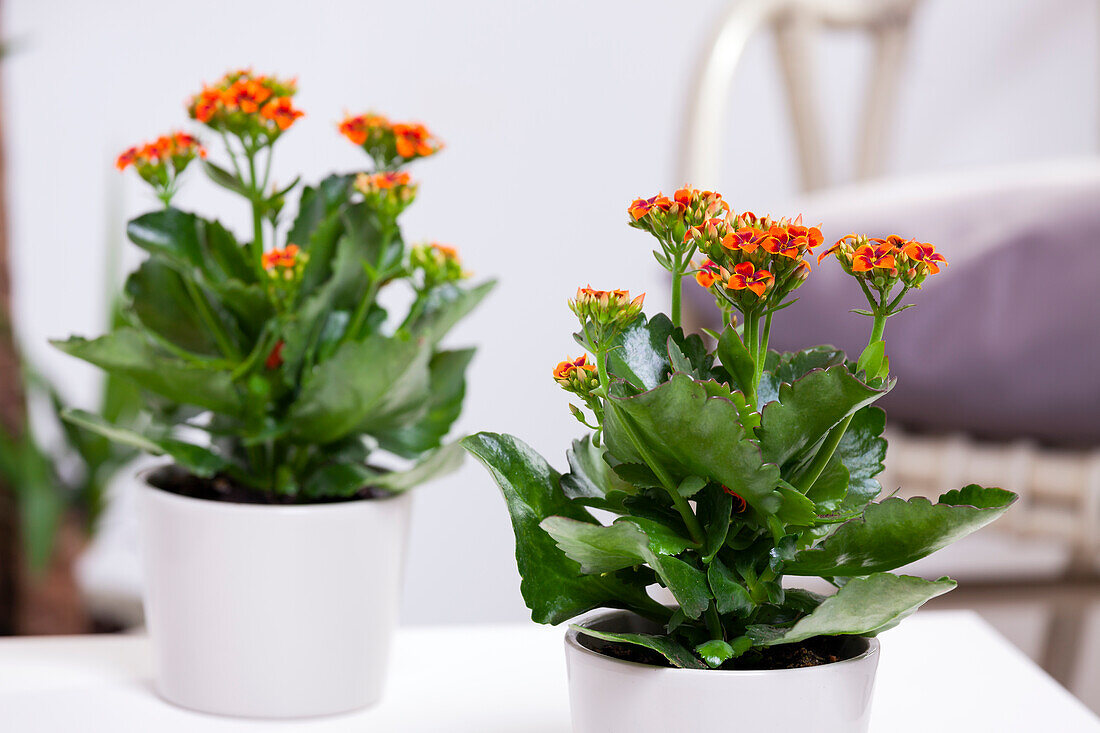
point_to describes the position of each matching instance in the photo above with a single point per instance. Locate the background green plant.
(306, 387)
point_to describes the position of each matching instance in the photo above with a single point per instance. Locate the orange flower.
(285, 258)
(869, 257)
(710, 273)
(924, 253)
(389, 180)
(781, 241)
(282, 112)
(413, 140)
(448, 252)
(359, 127)
(641, 207)
(606, 306)
(745, 239)
(206, 103)
(747, 277)
(246, 95)
(127, 158)
(565, 369)
(811, 235)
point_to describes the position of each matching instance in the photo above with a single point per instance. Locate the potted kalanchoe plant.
(274, 545)
(719, 472)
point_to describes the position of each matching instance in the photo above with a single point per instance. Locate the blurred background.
(973, 124)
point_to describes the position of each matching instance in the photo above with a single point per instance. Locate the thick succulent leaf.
(896, 532)
(190, 243)
(731, 596)
(693, 433)
(736, 359)
(435, 464)
(596, 548)
(446, 390)
(687, 583)
(195, 458)
(126, 352)
(371, 379)
(315, 205)
(663, 539)
(552, 585)
(675, 652)
(591, 478)
(445, 306)
(159, 298)
(715, 652)
(338, 478)
(808, 409)
(864, 606)
(848, 484)
(640, 354)
(789, 366)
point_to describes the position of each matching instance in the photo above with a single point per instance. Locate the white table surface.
(941, 671)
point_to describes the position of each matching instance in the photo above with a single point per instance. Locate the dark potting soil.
(175, 480)
(809, 653)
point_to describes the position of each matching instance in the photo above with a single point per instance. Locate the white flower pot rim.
(245, 507)
(571, 640)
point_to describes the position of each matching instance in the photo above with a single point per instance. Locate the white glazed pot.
(271, 611)
(608, 695)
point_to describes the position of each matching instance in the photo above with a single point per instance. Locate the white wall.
(555, 115)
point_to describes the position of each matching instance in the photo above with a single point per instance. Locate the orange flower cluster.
(247, 104)
(439, 263)
(177, 148)
(753, 257)
(669, 219)
(884, 262)
(565, 371)
(606, 307)
(389, 143)
(285, 258)
(388, 192)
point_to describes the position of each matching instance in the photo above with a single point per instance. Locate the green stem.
(878, 328)
(762, 352)
(362, 309)
(257, 217)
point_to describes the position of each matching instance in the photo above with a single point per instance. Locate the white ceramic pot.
(271, 611)
(607, 695)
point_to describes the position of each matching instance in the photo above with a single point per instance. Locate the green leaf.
(676, 653)
(439, 462)
(714, 508)
(590, 476)
(693, 433)
(686, 582)
(445, 306)
(316, 204)
(896, 532)
(159, 298)
(191, 244)
(715, 652)
(736, 359)
(126, 352)
(791, 366)
(225, 179)
(691, 486)
(338, 478)
(862, 451)
(870, 361)
(864, 606)
(663, 540)
(598, 549)
(730, 595)
(198, 460)
(363, 381)
(552, 585)
(678, 361)
(807, 410)
(446, 390)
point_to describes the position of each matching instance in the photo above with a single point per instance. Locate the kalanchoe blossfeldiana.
(717, 471)
(306, 384)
